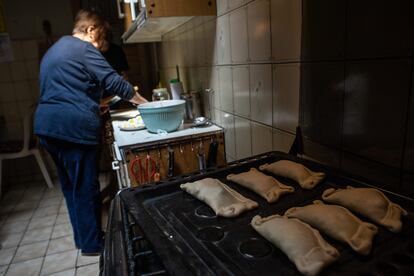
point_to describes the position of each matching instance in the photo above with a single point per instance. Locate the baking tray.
(190, 239)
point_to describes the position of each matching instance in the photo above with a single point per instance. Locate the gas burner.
(255, 248)
(210, 234)
(205, 211)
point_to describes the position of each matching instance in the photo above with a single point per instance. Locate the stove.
(161, 230)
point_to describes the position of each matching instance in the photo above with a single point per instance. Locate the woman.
(73, 74)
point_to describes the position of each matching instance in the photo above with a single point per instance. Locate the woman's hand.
(138, 99)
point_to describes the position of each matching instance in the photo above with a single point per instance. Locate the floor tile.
(14, 227)
(30, 267)
(50, 201)
(6, 255)
(62, 218)
(70, 272)
(3, 269)
(63, 209)
(24, 205)
(42, 222)
(46, 211)
(86, 260)
(19, 215)
(30, 251)
(52, 193)
(32, 197)
(10, 239)
(59, 262)
(62, 230)
(35, 235)
(6, 208)
(61, 245)
(89, 270)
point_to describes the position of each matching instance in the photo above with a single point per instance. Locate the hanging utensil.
(212, 154)
(201, 157)
(170, 161)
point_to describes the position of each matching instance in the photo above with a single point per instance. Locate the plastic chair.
(25, 149)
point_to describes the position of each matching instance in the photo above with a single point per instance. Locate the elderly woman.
(73, 74)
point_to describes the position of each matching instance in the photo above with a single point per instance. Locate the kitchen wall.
(254, 76)
(342, 69)
(19, 79)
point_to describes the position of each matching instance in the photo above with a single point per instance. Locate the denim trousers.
(78, 174)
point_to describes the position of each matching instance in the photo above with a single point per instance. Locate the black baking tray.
(191, 240)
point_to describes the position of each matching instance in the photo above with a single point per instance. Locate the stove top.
(187, 237)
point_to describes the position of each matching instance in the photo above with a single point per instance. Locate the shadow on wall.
(356, 87)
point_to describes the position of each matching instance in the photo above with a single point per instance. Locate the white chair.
(25, 149)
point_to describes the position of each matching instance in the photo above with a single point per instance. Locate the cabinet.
(148, 20)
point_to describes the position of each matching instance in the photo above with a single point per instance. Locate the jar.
(160, 94)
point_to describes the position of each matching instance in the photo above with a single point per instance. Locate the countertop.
(143, 137)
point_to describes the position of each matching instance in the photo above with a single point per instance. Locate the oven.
(161, 230)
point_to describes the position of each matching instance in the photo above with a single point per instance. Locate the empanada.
(338, 223)
(303, 244)
(370, 203)
(225, 201)
(264, 185)
(306, 178)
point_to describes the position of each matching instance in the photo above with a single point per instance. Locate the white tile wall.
(258, 19)
(286, 79)
(261, 138)
(238, 36)
(226, 88)
(255, 100)
(286, 29)
(222, 6)
(210, 42)
(7, 93)
(282, 141)
(18, 71)
(261, 93)
(22, 90)
(223, 40)
(200, 51)
(236, 3)
(214, 84)
(241, 90)
(243, 137)
(5, 74)
(227, 121)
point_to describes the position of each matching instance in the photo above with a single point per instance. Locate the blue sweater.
(73, 74)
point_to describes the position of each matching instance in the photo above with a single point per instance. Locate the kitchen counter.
(138, 154)
(143, 138)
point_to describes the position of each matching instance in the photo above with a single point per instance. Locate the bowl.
(161, 116)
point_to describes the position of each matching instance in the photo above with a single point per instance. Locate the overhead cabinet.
(148, 20)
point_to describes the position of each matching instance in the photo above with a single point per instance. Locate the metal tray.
(190, 239)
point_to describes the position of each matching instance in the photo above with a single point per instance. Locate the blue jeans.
(78, 173)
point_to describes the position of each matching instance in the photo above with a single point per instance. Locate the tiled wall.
(255, 77)
(19, 90)
(357, 88)
(342, 69)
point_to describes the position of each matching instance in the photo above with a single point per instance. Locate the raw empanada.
(303, 244)
(225, 201)
(370, 203)
(264, 185)
(338, 223)
(306, 178)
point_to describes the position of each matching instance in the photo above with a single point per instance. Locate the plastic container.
(176, 88)
(162, 116)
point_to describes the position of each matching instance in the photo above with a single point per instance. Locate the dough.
(338, 223)
(306, 178)
(225, 201)
(303, 244)
(370, 203)
(264, 185)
